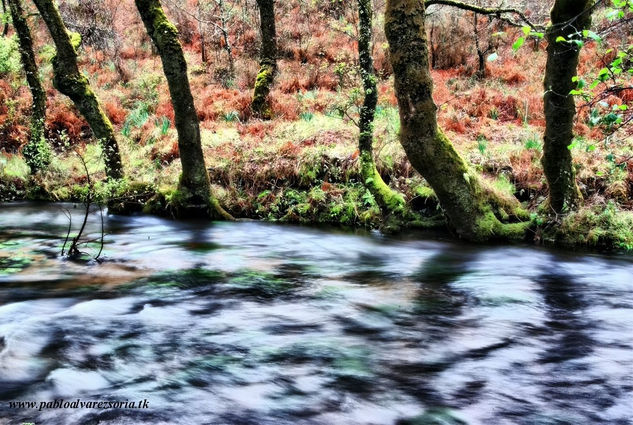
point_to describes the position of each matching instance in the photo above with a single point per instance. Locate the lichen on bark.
(71, 82)
(475, 211)
(569, 18)
(193, 196)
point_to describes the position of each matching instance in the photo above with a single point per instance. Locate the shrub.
(9, 56)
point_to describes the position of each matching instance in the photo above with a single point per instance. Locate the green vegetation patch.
(606, 228)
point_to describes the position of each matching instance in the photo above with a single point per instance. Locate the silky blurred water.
(250, 323)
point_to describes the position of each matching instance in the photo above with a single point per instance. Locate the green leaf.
(526, 30)
(517, 44)
(561, 39)
(592, 35)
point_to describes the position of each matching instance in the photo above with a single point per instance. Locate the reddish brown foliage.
(165, 109)
(455, 124)
(289, 149)
(285, 106)
(257, 129)
(63, 119)
(626, 95)
(507, 107)
(115, 112)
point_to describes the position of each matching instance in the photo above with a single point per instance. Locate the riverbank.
(307, 171)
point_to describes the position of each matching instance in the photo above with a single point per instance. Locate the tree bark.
(481, 69)
(5, 30)
(387, 199)
(72, 83)
(268, 60)
(36, 152)
(201, 30)
(194, 191)
(475, 211)
(227, 41)
(569, 18)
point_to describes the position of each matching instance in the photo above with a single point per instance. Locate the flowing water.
(250, 323)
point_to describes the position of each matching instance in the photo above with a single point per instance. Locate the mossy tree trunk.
(194, 192)
(388, 200)
(37, 151)
(569, 19)
(268, 60)
(72, 83)
(474, 210)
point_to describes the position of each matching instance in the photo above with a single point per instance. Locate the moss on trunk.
(569, 18)
(475, 211)
(193, 196)
(268, 60)
(389, 200)
(37, 152)
(72, 83)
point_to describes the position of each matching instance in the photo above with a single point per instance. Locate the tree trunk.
(201, 31)
(194, 192)
(569, 17)
(474, 210)
(432, 47)
(481, 70)
(5, 30)
(388, 200)
(37, 151)
(227, 42)
(72, 83)
(268, 60)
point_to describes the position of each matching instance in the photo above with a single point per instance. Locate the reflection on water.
(248, 323)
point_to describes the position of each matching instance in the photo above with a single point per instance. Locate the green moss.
(606, 228)
(75, 40)
(260, 105)
(386, 197)
(425, 192)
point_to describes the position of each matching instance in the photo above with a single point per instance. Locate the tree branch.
(488, 11)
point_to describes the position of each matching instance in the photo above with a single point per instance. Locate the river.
(253, 323)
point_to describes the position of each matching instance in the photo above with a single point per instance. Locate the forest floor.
(303, 165)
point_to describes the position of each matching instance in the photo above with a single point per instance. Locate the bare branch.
(498, 12)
